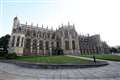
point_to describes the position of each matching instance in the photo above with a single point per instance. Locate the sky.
(89, 16)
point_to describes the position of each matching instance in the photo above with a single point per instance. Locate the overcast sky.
(89, 16)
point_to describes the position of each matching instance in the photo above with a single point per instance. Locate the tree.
(118, 49)
(113, 49)
(4, 40)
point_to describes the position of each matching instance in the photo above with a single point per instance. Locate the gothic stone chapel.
(33, 40)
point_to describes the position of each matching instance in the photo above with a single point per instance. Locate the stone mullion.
(11, 42)
(31, 46)
(23, 42)
(70, 44)
(62, 44)
(15, 41)
(77, 46)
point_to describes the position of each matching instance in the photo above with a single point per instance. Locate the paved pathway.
(13, 72)
(116, 54)
(86, 58)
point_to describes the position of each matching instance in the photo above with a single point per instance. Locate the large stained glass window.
(47, 45)
(40, 44)
(73, 44)
(67, 45)
(18, 41)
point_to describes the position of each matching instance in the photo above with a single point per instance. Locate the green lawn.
(52, 59)
(105, 57)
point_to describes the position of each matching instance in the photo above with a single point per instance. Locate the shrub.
(2, 54)
(11, 56)
(58, 51)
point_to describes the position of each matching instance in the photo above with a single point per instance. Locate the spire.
(56, 29)
(37, 25)
(42, 25)
(51, 28)
(88, 34)
(62, 24)
(16, 18)
(59, 27)
(31, 24)
(47, 26)
(16, 22)
(26, 23)
(74, 26)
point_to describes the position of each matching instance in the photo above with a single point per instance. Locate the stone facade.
(33, 40)
(92, 44)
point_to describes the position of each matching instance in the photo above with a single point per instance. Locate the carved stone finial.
(31, 24)
(26, 23)
(51, 28)
(59, 26)
(16, 18)
(62, 24)
(47, 26)
(37, 25)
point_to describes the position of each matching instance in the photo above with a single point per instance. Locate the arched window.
(28, 32)
(34, 34)
(47, 45)
(52, 44)
(39, 34)
(14, 30)
(18, 41)
(58, 44)
(28, 43)
(73, 44)
(66, 34)
(44, 35)
(34, 44)
(53, 36)
(19, 29)
(67, 45)
(40, 44)
(48, 35)
(13, 41)
(22, 41)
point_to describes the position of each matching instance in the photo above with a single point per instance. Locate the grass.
(110, 57)
(52, 59)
